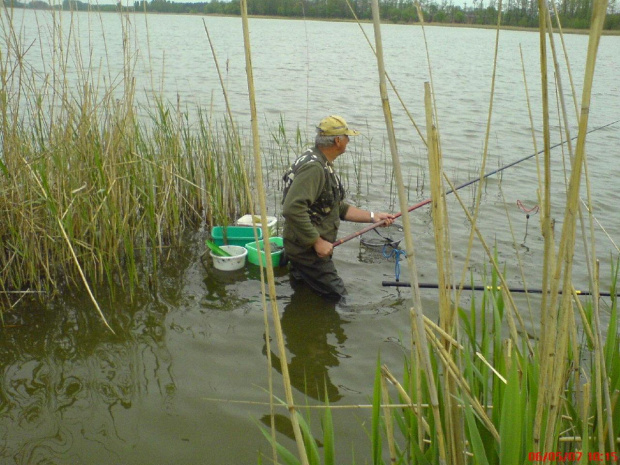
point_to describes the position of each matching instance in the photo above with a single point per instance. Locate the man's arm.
(302, 194)
(325, 249)
(357, 215)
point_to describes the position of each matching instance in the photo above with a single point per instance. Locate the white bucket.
(236, 262)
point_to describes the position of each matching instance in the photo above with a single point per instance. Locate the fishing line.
(527, 212)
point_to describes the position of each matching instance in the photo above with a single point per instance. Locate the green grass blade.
(329, 452)
(475, 440)
(283, 452)
(4, 169)
(419, 455)
(217, 250)
(312, 449)
(376, 417)
(511, 421)
(611, 344)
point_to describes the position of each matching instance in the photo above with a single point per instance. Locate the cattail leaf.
(4, 169)
(612, 362)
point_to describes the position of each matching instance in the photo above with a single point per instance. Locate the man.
(313, 206)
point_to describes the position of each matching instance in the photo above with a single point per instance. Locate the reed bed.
(94, 188)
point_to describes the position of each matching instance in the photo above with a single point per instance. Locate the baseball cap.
(335, 125)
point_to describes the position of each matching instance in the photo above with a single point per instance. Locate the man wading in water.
(313, 206)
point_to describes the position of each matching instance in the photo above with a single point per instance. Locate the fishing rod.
(468, 183)
(483, 288)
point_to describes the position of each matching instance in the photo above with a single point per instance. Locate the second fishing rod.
(468, 183)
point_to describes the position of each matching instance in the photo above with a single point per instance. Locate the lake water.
(184, 381)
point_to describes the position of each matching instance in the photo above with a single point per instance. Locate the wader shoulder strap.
(289, 175)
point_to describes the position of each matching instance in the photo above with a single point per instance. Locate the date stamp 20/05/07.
(564, 457)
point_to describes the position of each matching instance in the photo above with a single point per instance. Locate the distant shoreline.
(433, 24)
(605, 32)
(367, 21)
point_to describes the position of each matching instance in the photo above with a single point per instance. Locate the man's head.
(332, 130)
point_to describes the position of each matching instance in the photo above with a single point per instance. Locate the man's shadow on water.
(307, 322)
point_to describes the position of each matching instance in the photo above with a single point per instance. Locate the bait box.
(256, 259)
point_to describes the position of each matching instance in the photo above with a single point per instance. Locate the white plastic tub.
(247, 220)
(236, 262)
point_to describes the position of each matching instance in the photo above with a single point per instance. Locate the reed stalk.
(447, 316)
(439, 214)
(92, 194)
(591, 262)
(485, 151)
(514, 312)
(428, 57)
(548, 316)
(299, 438)
(569, 145)
(246, 184)
(389, 421)
(417, 319)
(563, 270)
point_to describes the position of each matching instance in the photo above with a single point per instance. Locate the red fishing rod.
(468, 183)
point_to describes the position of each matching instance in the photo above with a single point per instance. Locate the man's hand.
(358, 215)
(381, 216)
(323, 248)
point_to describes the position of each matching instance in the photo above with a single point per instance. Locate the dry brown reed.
(417, 320)
(295, 419)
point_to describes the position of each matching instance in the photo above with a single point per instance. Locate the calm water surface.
(184, 380)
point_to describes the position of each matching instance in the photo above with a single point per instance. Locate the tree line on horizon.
(573, 14)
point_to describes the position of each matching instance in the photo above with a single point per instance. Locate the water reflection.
(313, 331)
(222, 291)
(283, 425)
(68, 387)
